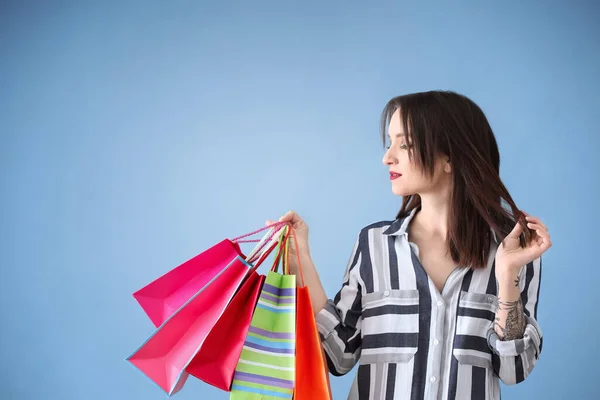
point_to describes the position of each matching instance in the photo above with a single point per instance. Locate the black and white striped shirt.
(412, 342)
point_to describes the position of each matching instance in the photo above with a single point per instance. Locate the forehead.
(395, 128)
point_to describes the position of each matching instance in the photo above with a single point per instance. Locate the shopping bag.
(162, 297)
(215, 362)
(312, 374)
(164, 356)
(266, 368)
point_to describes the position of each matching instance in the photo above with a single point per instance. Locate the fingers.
(543, 243)
(543, 237)
(290, 216)
(540, 230)
(287, 217)
(536, 220)
(516, 231)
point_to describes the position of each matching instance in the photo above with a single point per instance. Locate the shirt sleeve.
(339, 322)
(513, 360)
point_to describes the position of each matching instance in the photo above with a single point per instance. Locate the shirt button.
(386, 293)
(440, 303)
(436, 342)
(432, 379)
(490, 299)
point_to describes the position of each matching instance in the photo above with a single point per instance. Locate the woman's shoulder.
(386, 227)
(376, 234)
(378, 225)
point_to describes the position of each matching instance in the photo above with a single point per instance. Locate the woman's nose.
(387, 159)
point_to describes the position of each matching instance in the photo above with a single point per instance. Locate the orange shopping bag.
(312, 374)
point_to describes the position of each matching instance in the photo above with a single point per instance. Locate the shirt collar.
(400, 226)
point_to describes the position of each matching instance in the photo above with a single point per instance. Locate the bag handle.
(283, 238)
(287, 257)
(269, 249)
(283, 253)
(282, 243)
(268, 245)
(262, 242)
(237, 239)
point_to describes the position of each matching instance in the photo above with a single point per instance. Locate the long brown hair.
(450, 124)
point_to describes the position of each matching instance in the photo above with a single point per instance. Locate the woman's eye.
(402, 146)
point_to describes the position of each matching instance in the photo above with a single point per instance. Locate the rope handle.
(271, 241)
(297, 254)
(282, 244)
(237, 239)
(263, 242)
(268, 251)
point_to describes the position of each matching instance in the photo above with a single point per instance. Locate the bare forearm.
(510, 318)
(318, 297)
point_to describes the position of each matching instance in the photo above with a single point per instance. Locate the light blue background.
(134, 135)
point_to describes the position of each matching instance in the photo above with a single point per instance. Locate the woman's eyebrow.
(397, 135)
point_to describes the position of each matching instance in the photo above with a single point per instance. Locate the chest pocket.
(390, 326)
(476, 313)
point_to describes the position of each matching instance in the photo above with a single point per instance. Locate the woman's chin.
(400, 192)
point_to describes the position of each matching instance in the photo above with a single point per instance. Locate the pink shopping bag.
(215, 362)
(162, 297)
(165, 355)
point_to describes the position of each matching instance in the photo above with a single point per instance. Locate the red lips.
(394, 175)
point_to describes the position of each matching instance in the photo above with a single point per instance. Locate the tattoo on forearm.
(515, 320)
(517, 281)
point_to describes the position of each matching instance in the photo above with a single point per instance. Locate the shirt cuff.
(516, 347)
(327, 319)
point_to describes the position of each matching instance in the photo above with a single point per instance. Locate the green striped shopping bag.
(266, 368)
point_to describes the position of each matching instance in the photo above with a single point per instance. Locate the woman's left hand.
(510, 256)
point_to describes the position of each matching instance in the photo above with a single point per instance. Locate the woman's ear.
(447, 166)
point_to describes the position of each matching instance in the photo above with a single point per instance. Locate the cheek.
(405, 160)
(407, 168)
(405, 185)
(411, 181)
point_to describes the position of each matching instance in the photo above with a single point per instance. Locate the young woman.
(440, 303)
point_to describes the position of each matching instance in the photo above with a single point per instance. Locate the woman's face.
(412, 179)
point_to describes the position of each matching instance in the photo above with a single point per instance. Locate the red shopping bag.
(162, 297)
(215, 362)
(265, 369)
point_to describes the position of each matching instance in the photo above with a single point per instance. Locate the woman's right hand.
(311, 279)
(301, 231)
